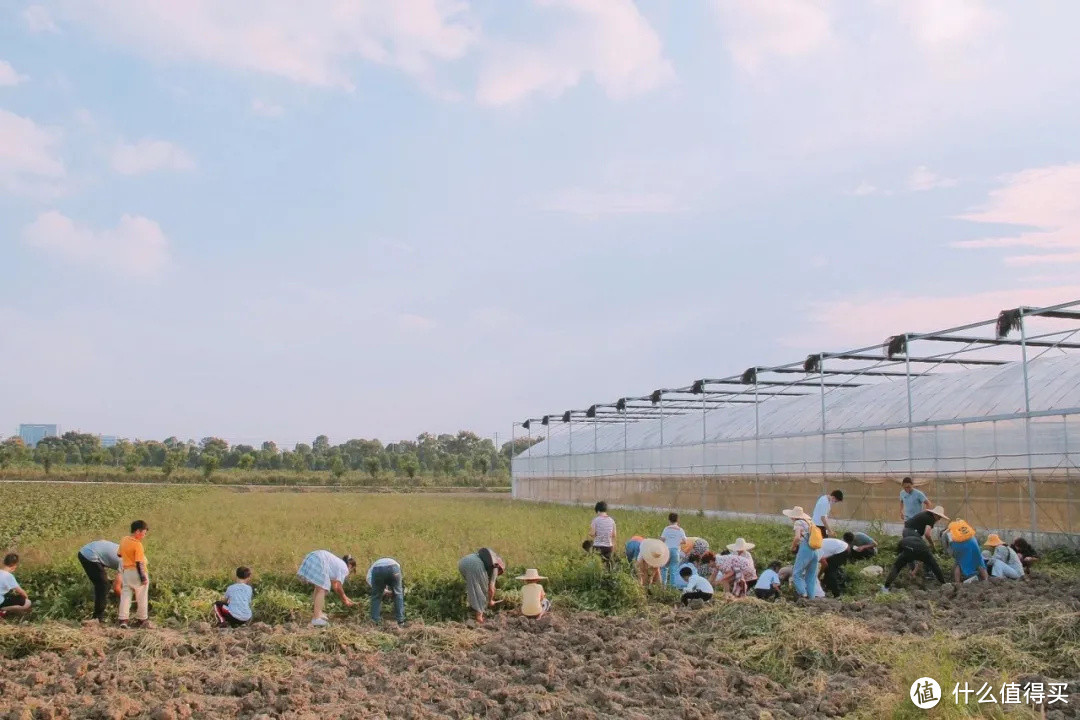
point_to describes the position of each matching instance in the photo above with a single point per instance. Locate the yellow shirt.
(131, 552)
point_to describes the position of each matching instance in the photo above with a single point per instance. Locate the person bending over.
(862, 545)
(911, 550)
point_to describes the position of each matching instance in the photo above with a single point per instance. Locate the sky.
(271, 220)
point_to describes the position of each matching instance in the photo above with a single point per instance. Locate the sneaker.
(884, 589)
(320, 622)
(123, 624)
(401, 624)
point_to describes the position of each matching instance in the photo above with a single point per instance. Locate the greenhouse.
(985, 417)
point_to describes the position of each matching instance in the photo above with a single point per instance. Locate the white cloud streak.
(923, 178)
(149, 155)
(30, 163)
(38, 20)
(756, 33)
(135, 248)
(8, 76)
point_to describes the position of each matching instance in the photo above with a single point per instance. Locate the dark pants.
(224, 617)
(99, 578)
(834, 577)
(696, 595)
(824, 531)
(770, 594)
(606, 553)
(383, 578)
(913, 550)
(863, 554)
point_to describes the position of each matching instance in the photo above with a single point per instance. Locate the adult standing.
(1004, 560)
(822, 509)
(804, 574)
(135, 581)
(480, 570)
(325, 572)
(602, 532)
(912, 501)
(673, 537)
(384, 579)
(97, 559)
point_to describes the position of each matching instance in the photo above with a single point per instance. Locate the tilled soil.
(564, 666)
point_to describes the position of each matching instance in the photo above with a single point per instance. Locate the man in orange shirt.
(135, 580)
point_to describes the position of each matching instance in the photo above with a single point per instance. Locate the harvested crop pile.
(738, 659)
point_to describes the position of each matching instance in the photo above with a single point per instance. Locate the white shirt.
(603, 527)
(381, 562)
(7, 583)
(697, 583)
(238, 601)
(832, 546)
(335, 566)
(673, 536)
(767, 580)
(821, 510)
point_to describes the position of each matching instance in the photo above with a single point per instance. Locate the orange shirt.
(131, 552)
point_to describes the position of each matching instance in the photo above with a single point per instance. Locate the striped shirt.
(603, 528)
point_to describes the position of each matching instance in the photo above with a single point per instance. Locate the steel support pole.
(513, 446)
(570, 457)
(910, 417)
(821, 383)
(757, 449)
(1032, 509)
(661, 431)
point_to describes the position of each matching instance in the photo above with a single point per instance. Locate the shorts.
(224, 617)
(12, 600)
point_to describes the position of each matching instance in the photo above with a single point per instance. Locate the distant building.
(33, 434)
(107, 441)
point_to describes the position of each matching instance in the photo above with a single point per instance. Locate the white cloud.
(608, 41)
(38, 20)
(414, 323)
(1046, 201)
(597, 203)
(923, 178)
(937, 23)
(865, 189)
(29, 161)
(266, 109)
(8, 76)
(310, 43)
(136, 247)
(148, 155)
(755, 32)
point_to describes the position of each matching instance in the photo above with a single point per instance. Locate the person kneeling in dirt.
(384, 579)
(696, 587)
(1004, 561)
(235, 609)
(862, 545)
(480, 570)
(1028, 555)
(326, 571)
(911, 550)
(768, 583)
(966, 552)
(13, 599)
(534, 602)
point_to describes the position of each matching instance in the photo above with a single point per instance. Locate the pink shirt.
(603, 528)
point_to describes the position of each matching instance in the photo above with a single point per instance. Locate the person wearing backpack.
(966, 552)
(806, 545)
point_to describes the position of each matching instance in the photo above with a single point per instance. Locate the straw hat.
(654, 552)
(940, 512)
(797, 513)
(740, 545)
(531, 574)
(993, 540)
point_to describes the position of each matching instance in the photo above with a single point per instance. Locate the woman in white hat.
(735, 569)
(652, 555)
(534, 602)
(804, 574)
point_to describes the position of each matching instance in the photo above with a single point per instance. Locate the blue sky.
(257, 220)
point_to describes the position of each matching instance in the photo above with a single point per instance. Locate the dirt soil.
(563, 666)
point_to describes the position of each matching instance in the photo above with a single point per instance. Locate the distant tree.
(482, 463)
(297, 462)
(210, 463)
(246, 461)
(131, 461)
(173, 460)
(410, 465)
(337, 466)
(213, 446)
(321, 446)
(372, 465)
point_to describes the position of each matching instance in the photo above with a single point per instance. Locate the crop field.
(608, 649)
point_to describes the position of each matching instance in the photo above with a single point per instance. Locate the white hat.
(531, 574)
(740, 545)
(797, 513)
(654, 552)
(940, 512)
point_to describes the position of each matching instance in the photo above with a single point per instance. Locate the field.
(609, 649)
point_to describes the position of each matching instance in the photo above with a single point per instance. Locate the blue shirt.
(766, 580)
(238, 601)
(821, 510)
(632, 548)
(968, 556)
(914, 502)
(102, 552)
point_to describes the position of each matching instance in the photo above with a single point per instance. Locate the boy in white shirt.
(235, 609)
(697, 587)
(13, 599)
(673, 535)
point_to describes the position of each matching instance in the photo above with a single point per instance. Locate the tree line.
(463, 454)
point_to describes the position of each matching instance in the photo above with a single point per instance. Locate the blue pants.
(804, 574)
(383, 578)
(669, 572)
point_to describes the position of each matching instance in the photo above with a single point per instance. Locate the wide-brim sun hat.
(796, 513)
(940, 512)
(654, 552)
(740, 545)
(993, 540)
(532, 574)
